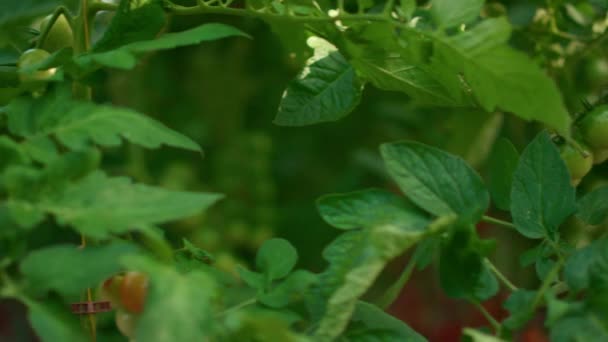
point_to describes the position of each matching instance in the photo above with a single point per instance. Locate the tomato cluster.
(127, 293)
(56, 37)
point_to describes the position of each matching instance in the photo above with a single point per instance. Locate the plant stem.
(96, 6)
(500, 275)
(493, 322)
(237, 307)
(575, 145)
(393, 292)
(498, 222)
(205, 9)
(82, 44)
(546, 284)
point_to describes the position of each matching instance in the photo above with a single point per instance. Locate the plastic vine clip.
(82, 308)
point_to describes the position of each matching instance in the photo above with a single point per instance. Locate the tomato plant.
(285, 170)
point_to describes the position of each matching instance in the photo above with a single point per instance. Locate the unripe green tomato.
(600, 156)
(126, 323)
(578, 165)
(596, 72)
(33, 79)
(594, 127)
(59, 36)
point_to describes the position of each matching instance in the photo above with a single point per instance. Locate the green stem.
(96, 6)
(498, 222)
(82, 44)
(493, 322)
(237, 307)
(556, 248)
(205, 9)
(8, 288)
(393, 292)
(575, 145)
(546, 284)
(500, 275)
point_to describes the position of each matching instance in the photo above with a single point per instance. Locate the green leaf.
(593, 207)
(379, 59)
(70, 270)
(425, 251)
(356, 259)
(135, 20)
(276, 258)
(22, 11)
(436, 181)
(369, 208)
(461, 268)
(290, 289)
(326, 90)
(579, 267)
(556, 308)
(543, 266)
(293, 37)
(530, 256)
(582, 327)
(449, 13)
(11, 152)
(196, 253)
(369, 323)
(178, 306)
(77, 124)
(254, 280)
(498, 76)
(541, 197)
(28, 182)
(125, 57)
(487, 285)
(52, 322)
(98, 205)
(503, 162)
(263, 325)
(519, 305)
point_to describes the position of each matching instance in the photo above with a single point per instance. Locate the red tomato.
(110, 290)
(133, 291)
(533, 334)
